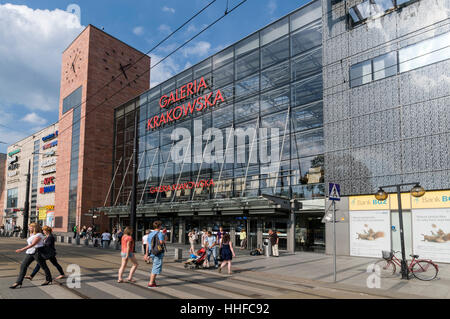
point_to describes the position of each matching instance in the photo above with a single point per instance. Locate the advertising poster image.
(369, 233)
(432, 234)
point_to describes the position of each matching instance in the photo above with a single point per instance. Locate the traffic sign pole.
(334, 239)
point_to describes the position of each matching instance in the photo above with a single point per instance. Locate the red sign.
(49, 180)
(187, 185)
(186, 91)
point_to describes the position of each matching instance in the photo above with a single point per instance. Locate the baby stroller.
(196, 260)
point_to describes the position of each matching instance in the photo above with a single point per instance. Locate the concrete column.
(291, 233)
(181, 238)
(172, 229)
(233, 233)
(259, 234)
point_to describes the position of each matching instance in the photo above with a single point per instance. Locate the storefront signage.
(13, 160)
(187, 185)
(13, 181)
(11, 174)
(50, 136)
(49, 162)
(49, 180)
(50, 145)
(13, 152)
(48, 171)
(431, 199)
(196, 105)
(13, 166)
(47, 189)
(42, 213)
(49, 154)
(370, 233)
(431, 236)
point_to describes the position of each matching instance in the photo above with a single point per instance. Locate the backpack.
(156, 247)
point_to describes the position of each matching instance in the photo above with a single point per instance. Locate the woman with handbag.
(48, 252)
(127, 253)
(35, 241)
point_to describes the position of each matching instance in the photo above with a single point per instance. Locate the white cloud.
(200, 49)
(164, 28)
(272, 6)
(163, 71)
(167, 9)
(31, 43)
(138, 30)
(35, 119)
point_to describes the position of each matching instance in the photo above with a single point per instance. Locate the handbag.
(45, 252)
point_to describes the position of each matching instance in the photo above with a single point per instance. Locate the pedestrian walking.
(49, 243)
(83, 232)
(155, 248)
(35, 241)
(220, 234)
(75, 231)
(273, 237)
(192, 238)
(243, 238)
(119, 235)
(203, 237)
(89, 233)
(127, 253)
(106, 239)
(227, 253)
(145, 244)
(211, 245)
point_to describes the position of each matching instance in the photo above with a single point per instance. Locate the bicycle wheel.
(424, 270)
(387, 268)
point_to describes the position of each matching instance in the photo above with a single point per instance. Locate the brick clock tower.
(86, 121)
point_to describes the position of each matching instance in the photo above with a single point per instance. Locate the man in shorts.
(157, 259)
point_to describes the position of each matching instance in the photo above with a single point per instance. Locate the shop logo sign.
(47, 189)
(50, 137)
(188, 185)
(49, 180)
(190, 90)
(50, 145)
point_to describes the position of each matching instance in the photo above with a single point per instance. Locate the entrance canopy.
(235, 206)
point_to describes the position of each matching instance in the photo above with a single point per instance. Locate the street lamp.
(416, 191)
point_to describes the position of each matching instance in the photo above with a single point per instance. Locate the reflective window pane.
(361, 73)
(247, 65)
(306, 15)
(385, 65)
(308, 143)
(223, 76)
(247, 45)
(307, 64)
(247, 86)
(306, 38)
(275, 100)
(425, 53)
(202, 69)
(223, 58)
(308, 117)
(275, 76)
(307, 91)
(275, 52)
(246, 109)
(274, 31)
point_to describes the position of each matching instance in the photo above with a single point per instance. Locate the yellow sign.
(42, 213)
(367, 202)
(431, 199)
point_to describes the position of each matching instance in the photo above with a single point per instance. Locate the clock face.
(121, 67)
(73, 66)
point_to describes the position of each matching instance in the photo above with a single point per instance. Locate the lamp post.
(416, 191)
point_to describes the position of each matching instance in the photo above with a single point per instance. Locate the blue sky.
(33, 35)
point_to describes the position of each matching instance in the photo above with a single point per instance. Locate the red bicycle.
(422, 269)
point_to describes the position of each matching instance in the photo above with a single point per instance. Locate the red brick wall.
(97, 121)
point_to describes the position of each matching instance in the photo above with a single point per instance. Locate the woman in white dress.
(35, 241)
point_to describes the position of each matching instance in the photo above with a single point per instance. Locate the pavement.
(291, 276)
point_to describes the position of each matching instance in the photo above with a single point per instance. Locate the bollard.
(77, 240)
(69, 239)
(178, 255)
(86, 242)
(62, 239)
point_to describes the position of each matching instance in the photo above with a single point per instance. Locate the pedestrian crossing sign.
(334, 191)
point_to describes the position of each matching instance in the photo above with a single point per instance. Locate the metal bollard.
(69, 239)
(178, 255)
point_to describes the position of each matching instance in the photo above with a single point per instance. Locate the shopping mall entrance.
(309, 232)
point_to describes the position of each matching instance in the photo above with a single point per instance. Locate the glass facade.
(271, 79)
(11, 201)
(75, 103)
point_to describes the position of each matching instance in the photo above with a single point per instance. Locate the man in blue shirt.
(210, 244)
(157, 259)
